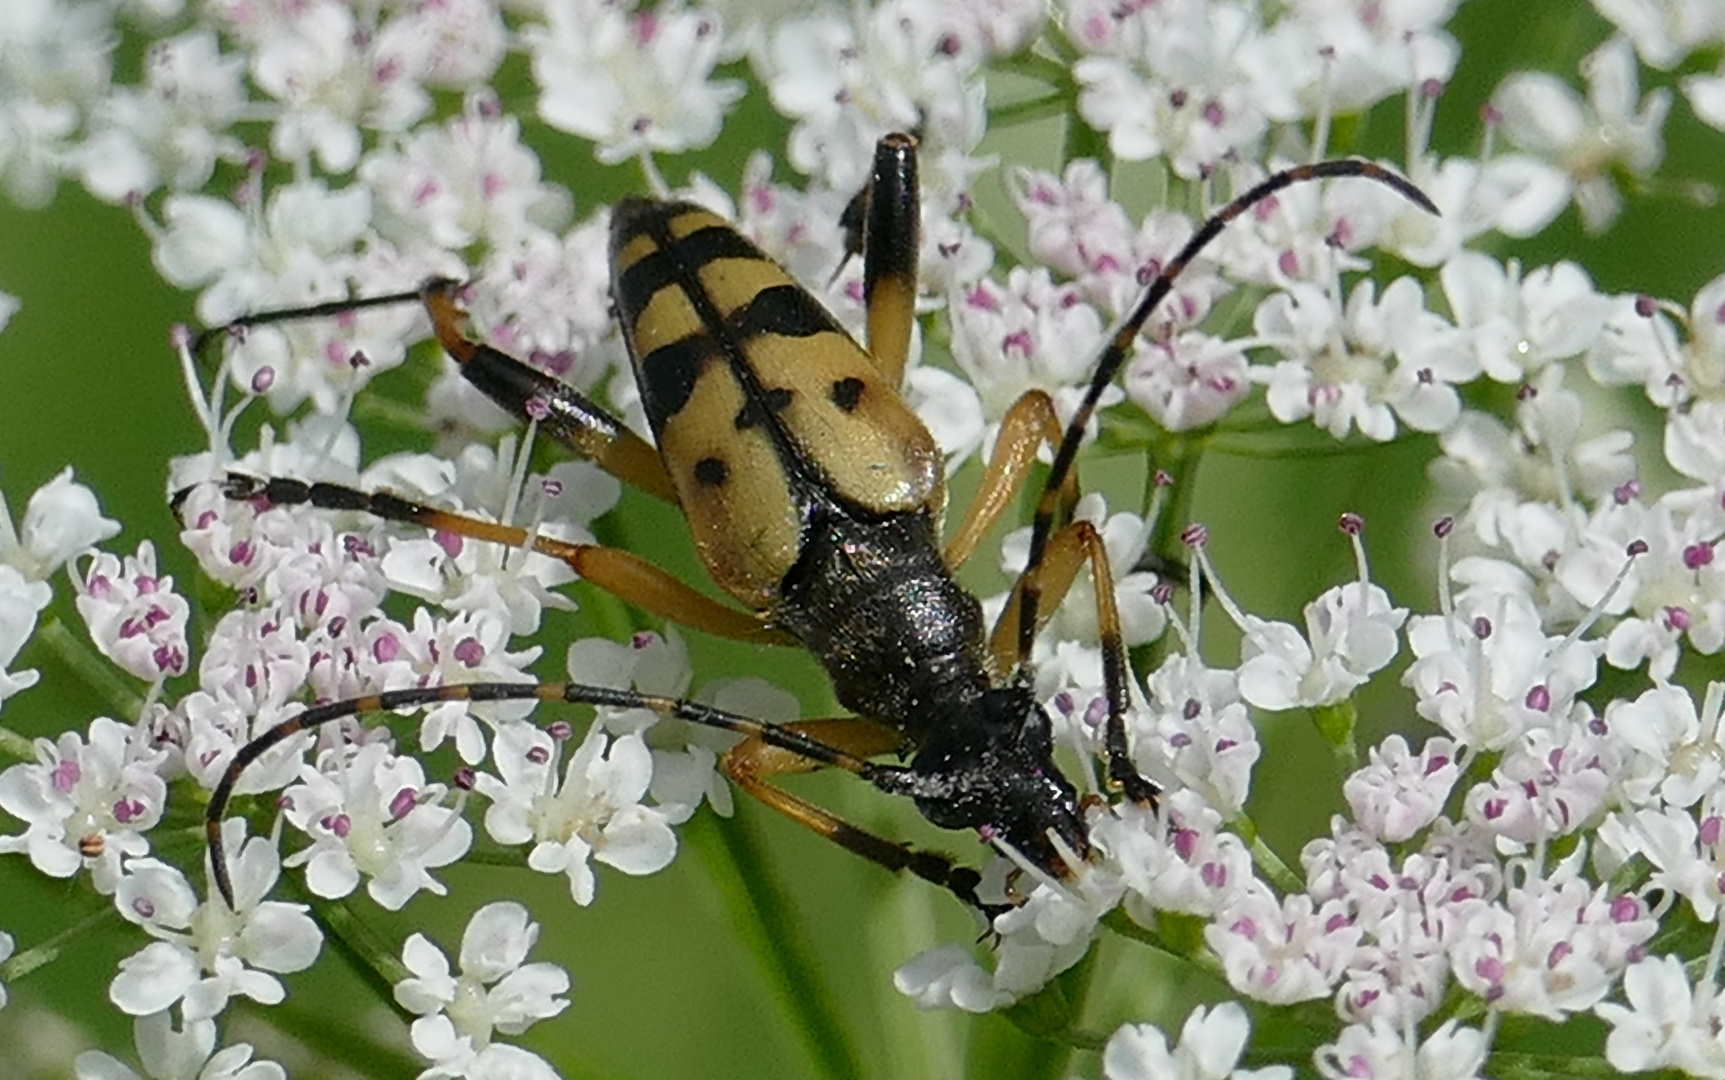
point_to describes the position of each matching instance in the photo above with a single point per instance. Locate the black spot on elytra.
(785, 310)
(757, 409)
(711, 472)
(668, 376)
(847, 392)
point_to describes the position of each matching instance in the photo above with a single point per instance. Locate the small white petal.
(152, 979)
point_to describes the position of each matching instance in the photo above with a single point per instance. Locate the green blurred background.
(665, 984)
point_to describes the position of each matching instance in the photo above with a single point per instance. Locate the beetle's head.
(992, 769)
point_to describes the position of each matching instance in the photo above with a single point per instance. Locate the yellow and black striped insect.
(815, 498)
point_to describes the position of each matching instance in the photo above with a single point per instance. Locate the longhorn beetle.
(815, 498)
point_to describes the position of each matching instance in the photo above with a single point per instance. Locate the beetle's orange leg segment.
(1067, 551)
(561, 411)
(856, 735)
(1026, 427)
(625, 576)
(637, 581)
(891, 239)
(753, 760)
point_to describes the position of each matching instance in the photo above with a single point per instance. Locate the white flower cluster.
(1520, 862)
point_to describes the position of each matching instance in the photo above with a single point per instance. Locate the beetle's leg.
(752, 761)
(1067, 552)
(1029, 604)
(784, 740)
(891, 240)
(1119, 349)
(625, 576)
(562, 412)
(1030, 424)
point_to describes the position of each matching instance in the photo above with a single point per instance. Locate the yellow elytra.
(758, 399)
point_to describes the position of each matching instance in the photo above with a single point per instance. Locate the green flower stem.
(1084, 141)
(1118, 921)
(1267, 861)
(1283, 1033)
(337, 1042)
(396, 414)
(1050, 1018)
(1513, 1066)
(356, 940)
(1179, 457)
(1085, 1039)
(1630, 875)
(1056, 73)
(1477, 770)
(1231, 317)
(768, 922)
(1066, 54)
(1030, 109)
(1267, 439)
(1184, 941)
(490, 853)
(23, 963)
(93, 669)
(16, 746)
(986, 227)
(1337, 723)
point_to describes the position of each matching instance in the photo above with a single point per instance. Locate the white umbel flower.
(495, 992)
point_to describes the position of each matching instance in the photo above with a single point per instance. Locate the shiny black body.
(905, 644)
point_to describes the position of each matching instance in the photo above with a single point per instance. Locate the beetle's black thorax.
(872, 598)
